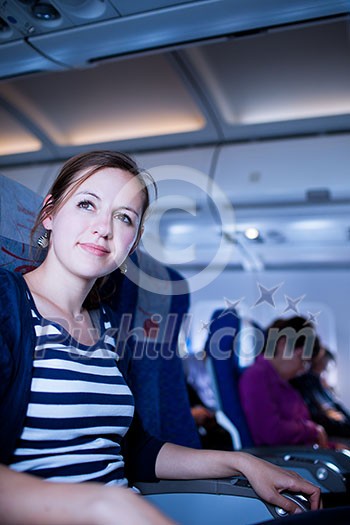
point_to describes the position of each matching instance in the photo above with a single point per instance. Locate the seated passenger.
(321, 400)
(276, 413)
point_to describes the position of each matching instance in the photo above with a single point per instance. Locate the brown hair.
(90, 163)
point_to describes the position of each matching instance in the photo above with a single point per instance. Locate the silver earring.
(123, 268)
(43, 240)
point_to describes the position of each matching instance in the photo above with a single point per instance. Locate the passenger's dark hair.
(324, 355)
(328, 354)
(87, 164)
(298, 331)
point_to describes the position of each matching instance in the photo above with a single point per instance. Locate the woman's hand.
(269, 481)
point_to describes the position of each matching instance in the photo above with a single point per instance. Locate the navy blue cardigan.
(17, 343)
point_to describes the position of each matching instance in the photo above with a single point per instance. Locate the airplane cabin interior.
(240, 111)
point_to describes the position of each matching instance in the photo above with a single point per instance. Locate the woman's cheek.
(129, 237)
(132, 241)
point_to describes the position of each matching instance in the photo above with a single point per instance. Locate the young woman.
(63, 398)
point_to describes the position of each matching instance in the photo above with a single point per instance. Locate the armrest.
(327, 471)
(339, 458)
(208, 501)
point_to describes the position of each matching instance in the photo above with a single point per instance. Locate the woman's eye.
(124, 218)
(85, 205)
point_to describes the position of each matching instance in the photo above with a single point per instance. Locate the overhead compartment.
(120, 36)
(313, 169)
(182, 177)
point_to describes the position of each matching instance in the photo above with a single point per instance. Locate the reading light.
(45, 11)
(252, 234)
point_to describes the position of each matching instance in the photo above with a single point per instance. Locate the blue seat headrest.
(19, 207)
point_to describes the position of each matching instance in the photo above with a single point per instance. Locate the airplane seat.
(151, 316)
(18, 209)
(329, 469)
(174, 399)
(225, 370)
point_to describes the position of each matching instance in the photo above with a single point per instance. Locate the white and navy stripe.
(79, 408)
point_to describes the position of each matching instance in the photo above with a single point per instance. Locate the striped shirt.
(79, 408)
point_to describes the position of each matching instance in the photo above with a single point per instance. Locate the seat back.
(175, 408)
(150, 316)
(222, 350)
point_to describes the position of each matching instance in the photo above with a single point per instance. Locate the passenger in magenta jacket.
(276, 413)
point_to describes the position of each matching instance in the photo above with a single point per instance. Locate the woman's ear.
(137, 240)
(48, 217)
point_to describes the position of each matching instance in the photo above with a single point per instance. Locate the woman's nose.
(103, 227)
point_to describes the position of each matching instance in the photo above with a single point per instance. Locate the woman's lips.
(95, 249)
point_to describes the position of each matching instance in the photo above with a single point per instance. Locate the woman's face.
(297, 364)
(290, 364)
(96, 227)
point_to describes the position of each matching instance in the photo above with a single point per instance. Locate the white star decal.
(313, 317)
(292, 304)
(266, 295)
(230, 307)
(205, 326)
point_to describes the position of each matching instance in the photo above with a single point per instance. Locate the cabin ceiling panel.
(14, 138)
(293, 79)
(199, 159)
(298, 256)
(114, 102)
(288, 236)
(231, 90)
